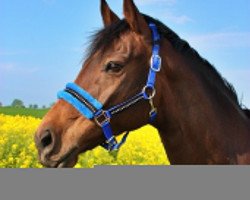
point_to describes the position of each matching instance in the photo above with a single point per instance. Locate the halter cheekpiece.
(92, 109)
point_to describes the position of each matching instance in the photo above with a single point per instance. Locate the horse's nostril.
(46, 139)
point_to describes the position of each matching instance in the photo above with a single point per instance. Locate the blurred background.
(42, 42)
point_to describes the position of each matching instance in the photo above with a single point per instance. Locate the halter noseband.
(92, 109)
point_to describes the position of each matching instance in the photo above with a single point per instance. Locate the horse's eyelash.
(106, 65)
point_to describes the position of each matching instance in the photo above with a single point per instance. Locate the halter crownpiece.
(92, 109)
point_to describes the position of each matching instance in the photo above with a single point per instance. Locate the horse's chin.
(70, 159)
(70, 163)
(66, 160)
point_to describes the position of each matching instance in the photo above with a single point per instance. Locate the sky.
(42, 42)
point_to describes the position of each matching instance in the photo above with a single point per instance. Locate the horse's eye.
(113, 67)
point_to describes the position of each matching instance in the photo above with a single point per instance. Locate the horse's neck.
(197, 122)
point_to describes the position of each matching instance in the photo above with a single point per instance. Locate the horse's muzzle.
(45, 142)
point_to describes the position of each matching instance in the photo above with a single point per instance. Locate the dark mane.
(103, 38)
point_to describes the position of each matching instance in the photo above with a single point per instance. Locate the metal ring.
(149, 92)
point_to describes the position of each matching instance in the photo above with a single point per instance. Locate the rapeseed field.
(17, 148)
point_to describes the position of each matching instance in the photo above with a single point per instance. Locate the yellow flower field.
(17, 148)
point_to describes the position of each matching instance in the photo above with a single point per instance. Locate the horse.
(196, 111)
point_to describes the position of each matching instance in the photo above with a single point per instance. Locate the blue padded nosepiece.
(85, 94)
(82, 108)
(76, 104)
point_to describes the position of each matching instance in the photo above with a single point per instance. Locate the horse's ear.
(134, 18)
(108, 16)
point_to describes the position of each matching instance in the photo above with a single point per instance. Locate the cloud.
(236, 73)
(149, 2)
(177, 19)
(4, 52)
(14, 68)
(221, 40)
(7, 67)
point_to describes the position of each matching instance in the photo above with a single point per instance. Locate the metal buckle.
(148, 92)
(155, 63)
(102, 118)
(110, 139)
(110, 143)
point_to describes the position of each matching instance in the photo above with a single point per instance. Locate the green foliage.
(17, 103)
(34, 106)
(38, 113)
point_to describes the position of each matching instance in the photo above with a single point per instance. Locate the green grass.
(38, 113)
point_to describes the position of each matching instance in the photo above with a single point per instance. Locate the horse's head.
(116, 69)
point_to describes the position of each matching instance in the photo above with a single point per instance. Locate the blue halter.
(92, 109)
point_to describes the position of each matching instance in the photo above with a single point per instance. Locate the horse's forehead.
(120, 49)
(122, 46)
(127, 42)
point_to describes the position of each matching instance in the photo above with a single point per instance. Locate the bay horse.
(199, 117)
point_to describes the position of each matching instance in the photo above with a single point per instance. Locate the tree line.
(17, 103)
